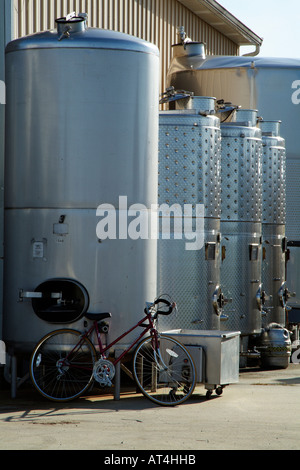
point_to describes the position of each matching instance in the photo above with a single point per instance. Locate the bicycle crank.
(104, 372)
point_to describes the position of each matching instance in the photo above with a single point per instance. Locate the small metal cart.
(216, 356)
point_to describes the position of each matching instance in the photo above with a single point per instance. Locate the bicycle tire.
(169, 383)
(62, 381)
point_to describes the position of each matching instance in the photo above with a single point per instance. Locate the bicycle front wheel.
(61, 365)
(165, 375)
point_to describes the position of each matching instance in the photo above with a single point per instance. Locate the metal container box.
(221, 354)
(81, 149)
(189, 178)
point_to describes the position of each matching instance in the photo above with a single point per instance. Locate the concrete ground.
(260, 412)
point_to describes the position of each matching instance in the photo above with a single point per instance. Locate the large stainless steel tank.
(81, 131)
(273, 222)
(241, 217)
(189, 175)
(271, 85)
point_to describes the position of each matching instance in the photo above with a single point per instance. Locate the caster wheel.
(208, 394)
(219, 390)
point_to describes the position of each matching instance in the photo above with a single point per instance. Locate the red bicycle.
(65, 362)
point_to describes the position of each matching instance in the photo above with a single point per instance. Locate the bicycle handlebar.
(164, 301)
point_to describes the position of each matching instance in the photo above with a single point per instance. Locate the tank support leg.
(118, 353)
(15, 381)
(13, 376)
(118, 368)
(117, 381)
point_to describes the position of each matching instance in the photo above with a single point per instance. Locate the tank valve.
(182, 35)
(174, 95)
(262, 297)
(65, 33)
(219, 300)
(284, 295)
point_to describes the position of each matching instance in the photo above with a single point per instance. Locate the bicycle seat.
(97, 316)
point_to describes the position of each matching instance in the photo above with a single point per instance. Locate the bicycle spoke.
(61, 369)
(167, 375)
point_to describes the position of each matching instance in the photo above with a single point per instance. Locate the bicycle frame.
(103, 350)
(65, 362)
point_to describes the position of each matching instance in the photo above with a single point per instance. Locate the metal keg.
(275, 346)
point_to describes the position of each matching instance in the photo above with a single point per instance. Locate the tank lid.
(271, 128)
(249, 116)
(204, 105)
(218, 62)
(189, 49)
(79, 36)
(70, 24)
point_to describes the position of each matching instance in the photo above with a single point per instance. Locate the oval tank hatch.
(61, 301)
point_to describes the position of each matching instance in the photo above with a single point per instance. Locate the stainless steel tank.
(273, 222)
(81, 148)
(189, 197)
(241, 218)
(272, 86)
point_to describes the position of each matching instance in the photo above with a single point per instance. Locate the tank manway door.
(58, 300)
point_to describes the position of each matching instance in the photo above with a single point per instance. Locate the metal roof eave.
(222, 20)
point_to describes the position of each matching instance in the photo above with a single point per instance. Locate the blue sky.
(276, 21)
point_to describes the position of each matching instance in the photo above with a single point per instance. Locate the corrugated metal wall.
(155, 21)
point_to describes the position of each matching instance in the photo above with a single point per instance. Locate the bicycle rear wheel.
(166, 375)
(61, 365)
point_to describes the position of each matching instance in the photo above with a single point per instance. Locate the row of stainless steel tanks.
(81, 166)
(253, 250)
(233, 276)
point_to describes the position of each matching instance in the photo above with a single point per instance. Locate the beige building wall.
(155, 21)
